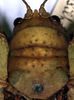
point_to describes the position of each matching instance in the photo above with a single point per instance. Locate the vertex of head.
(42, 11)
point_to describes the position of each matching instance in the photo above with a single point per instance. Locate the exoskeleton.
(40, 61)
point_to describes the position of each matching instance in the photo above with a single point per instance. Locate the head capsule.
(41, 18)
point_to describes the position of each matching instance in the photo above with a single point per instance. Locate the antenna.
(44, 3)
(29, 13)
(42, 10)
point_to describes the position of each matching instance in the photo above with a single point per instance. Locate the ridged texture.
(71, 70)
(38, 36)
(50, 73)
(38, 56)
(71, 57)
(4, 49)
(4, 57)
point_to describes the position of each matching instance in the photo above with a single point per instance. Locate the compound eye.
(55, 18)
(17, 21)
